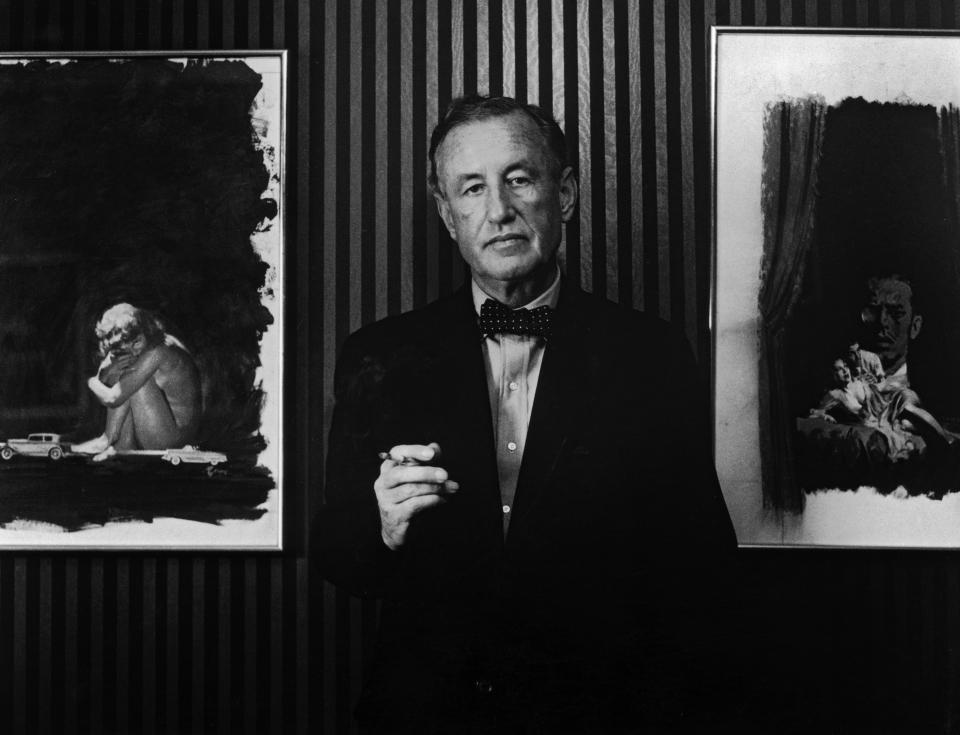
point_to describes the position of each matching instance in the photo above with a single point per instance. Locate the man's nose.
(499, 205)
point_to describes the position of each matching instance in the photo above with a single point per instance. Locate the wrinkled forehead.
(493, 143)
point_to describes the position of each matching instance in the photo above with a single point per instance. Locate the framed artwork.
(836, 304)
(141, 300)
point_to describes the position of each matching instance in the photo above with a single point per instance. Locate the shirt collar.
(550, 297)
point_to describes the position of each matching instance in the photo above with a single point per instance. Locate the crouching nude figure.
(149, 383)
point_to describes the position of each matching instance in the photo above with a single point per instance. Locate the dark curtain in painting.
(793, 135)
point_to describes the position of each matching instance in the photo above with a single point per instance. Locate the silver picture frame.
(141, 326)
(835, 160)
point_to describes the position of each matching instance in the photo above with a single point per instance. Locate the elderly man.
(521, 471)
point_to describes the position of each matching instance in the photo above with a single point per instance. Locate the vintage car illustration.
(192, 455)
(35, 445)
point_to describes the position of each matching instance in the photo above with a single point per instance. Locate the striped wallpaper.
(238, 643)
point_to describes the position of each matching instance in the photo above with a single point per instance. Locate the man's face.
(891, 322)
(501, 198)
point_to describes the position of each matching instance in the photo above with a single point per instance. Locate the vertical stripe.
(20, 582)
(935, 19)
(228, 25)
(457, 32)
(383, 194)
(557, 33)
(121, 644)
(342, 172)
(586, 143)
(78, 38)
(533, 52)
(96, 646)
(885, 11)
(203, 24)
(253, 24)
(636, 158)
(154, 23)
(303, 623)
(355, 648)
(178, 24)
(862, 13)
(909, 14)
(29, 26)
(761, 13)
(469, 48)
(483, 48)
(406, 157)
(103, 25)
(44, 644)
(609, 105)
(148, 629)
(279, 23)
(129, 26)
(71, 631)
(172, 662)
(571, 117)
(509, 49)
(224, 663)
(687, 186)
(395, 152)
(545, 54)
(355, 152)
(330, 193)
(330, 632)
(277, 611)
(494, 12)
(786, 12)
(6, 25)
(735, 17)
(440, 83)
(198, 679)
(251, 696)
(663, 214)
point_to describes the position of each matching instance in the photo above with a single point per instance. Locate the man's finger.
(402, 474)
(404, 493)
(405, 511)
(414, 452)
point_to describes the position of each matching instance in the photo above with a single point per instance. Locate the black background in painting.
(136, 181)
(881, 209)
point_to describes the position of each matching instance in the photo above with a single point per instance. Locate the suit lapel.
(464, 405)
(561, 397)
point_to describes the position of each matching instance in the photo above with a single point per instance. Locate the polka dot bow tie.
(495, 318)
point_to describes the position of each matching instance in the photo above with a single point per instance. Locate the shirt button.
(512, 446)
(506, 509)
(514, 385)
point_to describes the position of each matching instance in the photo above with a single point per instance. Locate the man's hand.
(407, 485)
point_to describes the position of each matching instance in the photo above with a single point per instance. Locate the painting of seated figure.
(141, 300)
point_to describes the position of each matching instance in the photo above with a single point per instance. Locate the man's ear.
(568, 193)
(443, 209)
(915, 325)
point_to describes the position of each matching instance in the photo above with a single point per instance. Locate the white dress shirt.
(512, 365)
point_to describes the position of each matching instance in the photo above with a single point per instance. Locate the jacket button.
(483, 686)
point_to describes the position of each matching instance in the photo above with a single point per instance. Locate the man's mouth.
(507, 237)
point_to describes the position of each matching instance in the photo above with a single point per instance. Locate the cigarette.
(405, 460)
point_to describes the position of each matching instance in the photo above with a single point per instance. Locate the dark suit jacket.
(588, 615)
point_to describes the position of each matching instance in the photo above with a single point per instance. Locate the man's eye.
(474, 189)
(519, 181)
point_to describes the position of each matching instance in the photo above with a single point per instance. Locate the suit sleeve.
(345, 537)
